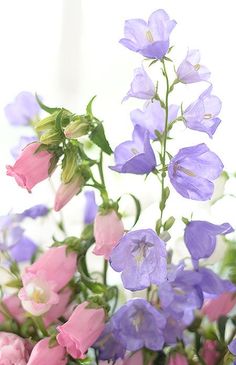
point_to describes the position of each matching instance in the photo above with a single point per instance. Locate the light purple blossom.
(142, 86)
(136, 156)
(190, 71)
(141, 257)
(202, 114)
(23, 250)
(39, 210)
(232, 347)
(200, 237)
(150, 39)
(152, 117)
(212, 285)
(91, 207)
(192, 171)
(23, 142)
(140, 325)
(23, 110)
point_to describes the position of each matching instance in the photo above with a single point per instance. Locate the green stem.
(105, 267)
(38, 321)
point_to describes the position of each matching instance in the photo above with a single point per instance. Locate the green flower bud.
(46, 123)
(77, 128)
(51, 137)
(69, 165)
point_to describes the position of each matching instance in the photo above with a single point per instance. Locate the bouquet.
(56, 307)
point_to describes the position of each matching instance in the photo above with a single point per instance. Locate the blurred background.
(67, 51)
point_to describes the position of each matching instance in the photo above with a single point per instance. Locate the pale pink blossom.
(13, 349)
(31, 167)
(13, 305)
(42, 354)
(66, 192)
(108, 230)
(220, 306)
(209, 352)
(81, 330)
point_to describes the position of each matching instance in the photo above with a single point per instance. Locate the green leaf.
(158, 226)
(153, 62)
(138, 209)
(89, 107)
(45, 107)
(185, 220)
(169, 223)
(221, 324)
(98, 137)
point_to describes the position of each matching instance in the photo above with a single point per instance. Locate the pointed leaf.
(98, 137)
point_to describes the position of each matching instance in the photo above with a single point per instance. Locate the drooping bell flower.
(67, 191)
(150, 39)
(202, 114)
(192, 171)
(142, 86)
(91, 208)
(31, 167)
(152, 117)
(81, 330)
(190, 71)
(136, 156)
(108, 230)
(43, 353)
(23, 142)
(141, 257)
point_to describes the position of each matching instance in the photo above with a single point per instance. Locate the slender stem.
(38, 321)
(105, 267)
(100, 168)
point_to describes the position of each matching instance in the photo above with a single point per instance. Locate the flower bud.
(66, 192)
(77, 128)
(46, 123)
(51, 137)
(69, 165)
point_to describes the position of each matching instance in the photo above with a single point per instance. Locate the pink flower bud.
(13, 349)
(66, 192)
(177, 359)
(42, 354)
(108, 230)
(13, 305)
(81, 330)
(30, 168)
(209, 352)
(220, 306)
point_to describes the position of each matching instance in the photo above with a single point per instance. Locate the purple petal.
(23, 250)
(23, 110)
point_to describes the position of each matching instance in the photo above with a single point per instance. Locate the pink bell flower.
(58, 310)
(209, 352)
(66, 192)
(108, 230)
(178, 359)
(13, 305)
(30, 168)
(220, 306)
(13, 349)
(42, 354)
(81, 330)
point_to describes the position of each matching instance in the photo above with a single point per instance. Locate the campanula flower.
(219, 306)
(200, 237)
(67, 191)
(152, 117)
(192, 171)
(136, 156)
(43, 353)
(150, 39)
(141, 257)
(140, 325)
(13, 349)
(31, 167)
(190, 71)
(58, 310)
(202, 114)
(24, 110)
(23, 142)
(91, 208)
(212, 285)
(177, 359)
(142, 86)
(232, 347)
(209, 352)
(108, 230)
(13, 305)
(81, 330)
(39, 210)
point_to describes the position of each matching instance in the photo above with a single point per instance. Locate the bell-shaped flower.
(200, 237)
(212, 285)
(141, 257)
(31, 167)
(136, 156)
(150, 39)
(67, 191)
(81, 330)
(91, 207)
(232, 347)
(177, 359)
(44, 353)
(23, 142)
(108, 230)
(219, 306)
(142, 86)
(139, 325)
(190, 71)
(192, 171)
(152, 117)
(210, 352)
(202, 114)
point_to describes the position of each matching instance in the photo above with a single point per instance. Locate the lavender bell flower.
(192, 170)
(141, 257)
(23, 110)
(39, 210)
(212, 285)
(200, 237)
(91, 207)
(152, 117)
(190, 71)
(232, 347)
(136, 156)
(142, 86)
(202, 114)
(149, 39)
(23, 142)
(140, 325)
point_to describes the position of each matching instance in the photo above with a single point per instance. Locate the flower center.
(149, 36)
(197, 67)
(184, 170)
(37, 293)
(208, 116)
(134, 151)
(137, 320)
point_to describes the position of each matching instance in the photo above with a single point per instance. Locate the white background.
(67, 51)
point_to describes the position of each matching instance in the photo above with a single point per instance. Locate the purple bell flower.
(23, 110)
(23, 250)
(136, 156)
(142, 86)
(23, 142)
(200, 237)
(190, 71)
(140, 325)
(141, 257)
(152, 117)
(34, 212)
(212, 285)
(192, 171)
(202, 114)
(149, 39)
(91, 207)
(232, 347)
